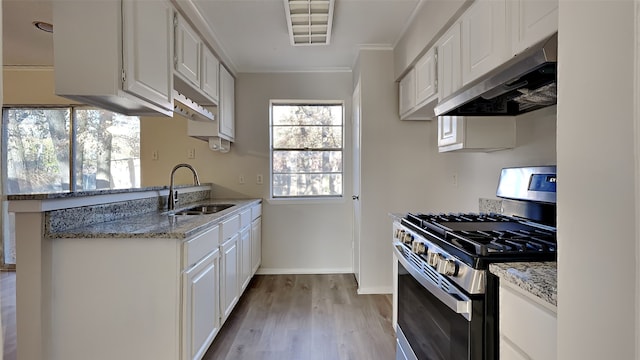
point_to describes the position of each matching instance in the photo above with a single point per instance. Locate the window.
(306, 149)
(58, 149)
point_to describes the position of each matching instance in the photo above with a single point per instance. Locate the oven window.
(434, 331)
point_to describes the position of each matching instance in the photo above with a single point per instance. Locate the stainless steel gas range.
(447, 299)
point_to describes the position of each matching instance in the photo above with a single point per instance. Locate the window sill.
(306, 201)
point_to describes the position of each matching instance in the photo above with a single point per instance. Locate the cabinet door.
(450, 130)
(229, 265)
(484, 38)
(187, 51)
(449, 67)
(210, 71)
(245, 262)
(426, 80)
(147, 34)
(256, 244)
(407, 92)
(226, 109)
(201, 316)
(532, 21)
(517, 308)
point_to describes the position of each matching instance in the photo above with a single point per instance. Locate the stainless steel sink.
(204, 209)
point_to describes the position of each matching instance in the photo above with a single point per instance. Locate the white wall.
(296, 238)
(597, 261)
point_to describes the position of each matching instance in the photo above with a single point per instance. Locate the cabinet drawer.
(256, 211)
(199, 246)
(245, 218)
(230, 227)
(517, 309)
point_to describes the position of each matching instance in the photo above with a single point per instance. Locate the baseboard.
(375, 290)
(280, 271)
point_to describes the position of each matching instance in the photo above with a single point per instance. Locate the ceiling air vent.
(309, 21)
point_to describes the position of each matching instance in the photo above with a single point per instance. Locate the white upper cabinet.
(226, 108)
(196, 67)
(449, 63)
(407, 93)
(531, 21)
(117, 55)
(484, 38)
(187, 48)
(210, 73)
(418, 89)
(426, 79)
(476, 133)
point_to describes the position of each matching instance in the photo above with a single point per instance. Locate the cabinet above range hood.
(525, 83)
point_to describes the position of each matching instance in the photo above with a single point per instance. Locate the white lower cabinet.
(478, 133)
(528, 328)
(229, 267)
(256, 237)
(201, 314)
(245, 249)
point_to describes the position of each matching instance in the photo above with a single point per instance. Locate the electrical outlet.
(259, 179)
(241, 179)
(454, 179)
(154, 155)
(191, 153)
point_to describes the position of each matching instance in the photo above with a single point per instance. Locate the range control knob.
(432, 258)
(418, 247)
(399, 234)
(408, 238)
(447, 267)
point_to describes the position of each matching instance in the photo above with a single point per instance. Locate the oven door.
(436, 324)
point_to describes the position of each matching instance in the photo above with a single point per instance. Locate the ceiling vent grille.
(309, 21)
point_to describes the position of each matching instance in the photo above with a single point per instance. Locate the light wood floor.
(306, 317)
(281, 317)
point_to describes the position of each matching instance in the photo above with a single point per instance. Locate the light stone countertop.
(536, 278)
(156, 224)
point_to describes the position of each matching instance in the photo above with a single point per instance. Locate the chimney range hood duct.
(525, 83)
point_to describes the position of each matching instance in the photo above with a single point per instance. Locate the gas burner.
(480, 239)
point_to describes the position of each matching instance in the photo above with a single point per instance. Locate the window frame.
(298, 199)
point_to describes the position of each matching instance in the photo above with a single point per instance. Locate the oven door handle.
(457, 301)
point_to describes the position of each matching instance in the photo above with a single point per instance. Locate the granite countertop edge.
(85, 193)
(537, 278)
(161, 225)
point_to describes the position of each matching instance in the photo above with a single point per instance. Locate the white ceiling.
(251, 35)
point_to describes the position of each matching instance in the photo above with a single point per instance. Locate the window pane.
(307, 114)
(289, 185)
(37, 150)
(312, 137)
(289, 162)
(107, 150)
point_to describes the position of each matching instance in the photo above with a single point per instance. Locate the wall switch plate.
(259, 179)
(241, 179)
(154, 155)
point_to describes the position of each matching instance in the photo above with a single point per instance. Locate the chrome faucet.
(173, 196)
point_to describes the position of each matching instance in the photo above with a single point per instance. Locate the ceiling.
(250, 35)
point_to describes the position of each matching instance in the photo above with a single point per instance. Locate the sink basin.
(204, 209)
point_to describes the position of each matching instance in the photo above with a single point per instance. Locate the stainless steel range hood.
(525, 83)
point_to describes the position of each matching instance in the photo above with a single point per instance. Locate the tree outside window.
(43, 154)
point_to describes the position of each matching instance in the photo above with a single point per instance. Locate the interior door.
(355, 119)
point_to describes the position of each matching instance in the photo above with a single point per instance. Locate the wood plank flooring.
(306, 317)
